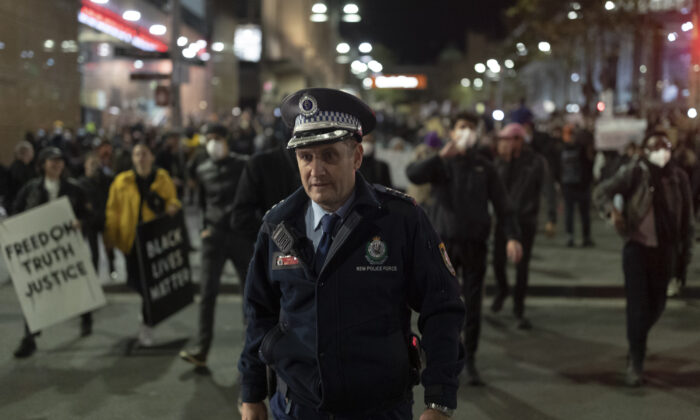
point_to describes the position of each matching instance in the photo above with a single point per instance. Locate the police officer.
(337, 267)
(464, 182)
(218, 177)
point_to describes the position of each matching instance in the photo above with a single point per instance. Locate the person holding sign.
(41, 190)
(136, 196)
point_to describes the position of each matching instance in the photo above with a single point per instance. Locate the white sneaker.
(146, 336)
(674, 288)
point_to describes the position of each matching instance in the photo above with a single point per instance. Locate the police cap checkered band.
(327, 120)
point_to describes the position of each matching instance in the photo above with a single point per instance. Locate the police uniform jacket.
(218, 181)
(338, 339)
(463, 186)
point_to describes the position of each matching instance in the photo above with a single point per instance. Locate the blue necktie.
(328, 222)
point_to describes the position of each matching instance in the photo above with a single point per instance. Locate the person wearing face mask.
(524, 174)
(464, 183)
(374, 170)
(218, 178)
(656, 221)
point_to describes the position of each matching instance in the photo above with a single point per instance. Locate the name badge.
(283, 262)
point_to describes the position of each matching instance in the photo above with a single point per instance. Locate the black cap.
(49, 153)
(320, 115)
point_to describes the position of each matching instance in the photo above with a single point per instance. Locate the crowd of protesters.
(465, 169)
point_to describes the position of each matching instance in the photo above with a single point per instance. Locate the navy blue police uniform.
(337, 336)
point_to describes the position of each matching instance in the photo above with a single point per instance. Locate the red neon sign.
(105, 20)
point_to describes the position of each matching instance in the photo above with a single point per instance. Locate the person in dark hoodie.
(650, 204)
(50, 186)
(464, 184)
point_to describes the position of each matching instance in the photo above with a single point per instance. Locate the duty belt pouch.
(271, 381)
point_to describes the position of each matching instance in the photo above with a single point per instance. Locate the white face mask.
(465, 138)
(659, 157)
(216, 149)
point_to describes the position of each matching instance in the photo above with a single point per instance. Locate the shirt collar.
(318, 212)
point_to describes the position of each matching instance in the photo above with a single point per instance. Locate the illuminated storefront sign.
(400, 81)
(112, 24)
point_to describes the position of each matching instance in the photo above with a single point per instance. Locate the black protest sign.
(164, 266)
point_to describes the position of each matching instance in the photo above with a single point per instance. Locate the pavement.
(570, 366)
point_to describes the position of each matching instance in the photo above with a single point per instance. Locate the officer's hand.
(449, 150)
(205, 233)
(172, 209)
(514, 251)
(550, 229)
(253, 411)
(431, 414)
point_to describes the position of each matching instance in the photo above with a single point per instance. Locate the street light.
(182, 41)
(465, 82)
(131, 15)
(375, 66)
(522, 50)
(358, 67)
(498, 115)
(479, 67)
(544, 47)
(319, 8)
(158, 29)
(351, 9)
(365, 48)
(343, 48)
(609, 5)
(217, 46)
(478, 83)
(672, 37)
(493, 65)
(688, 26)
(509, 64)
(572, 15)
(692, 113)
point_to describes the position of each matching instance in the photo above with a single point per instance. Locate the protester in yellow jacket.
(137, 196)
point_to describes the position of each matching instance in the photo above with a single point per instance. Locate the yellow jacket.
(123, 207)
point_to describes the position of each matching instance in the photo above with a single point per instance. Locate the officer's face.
(328, 172)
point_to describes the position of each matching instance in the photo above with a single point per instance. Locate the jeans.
(580, 198)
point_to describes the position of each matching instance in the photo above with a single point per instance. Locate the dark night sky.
(417, 31)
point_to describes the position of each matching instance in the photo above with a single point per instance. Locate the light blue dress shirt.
(313, 216)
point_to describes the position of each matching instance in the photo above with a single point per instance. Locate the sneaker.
(674, 288)
(196, 356)
(473, 377)
(26, 348)
(497, 303)
(146, 336)
(633, 377)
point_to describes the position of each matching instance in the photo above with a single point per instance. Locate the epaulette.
(395, 193)
(272, 208)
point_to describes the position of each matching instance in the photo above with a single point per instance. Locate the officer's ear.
(357, 156)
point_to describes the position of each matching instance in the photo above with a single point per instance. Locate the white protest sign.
(50, 265)
(616, 133)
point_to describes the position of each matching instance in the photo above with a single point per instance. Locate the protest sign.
(165, 268)
(616, 133)
(50, 265)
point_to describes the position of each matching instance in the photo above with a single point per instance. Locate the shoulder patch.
(395, 193)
